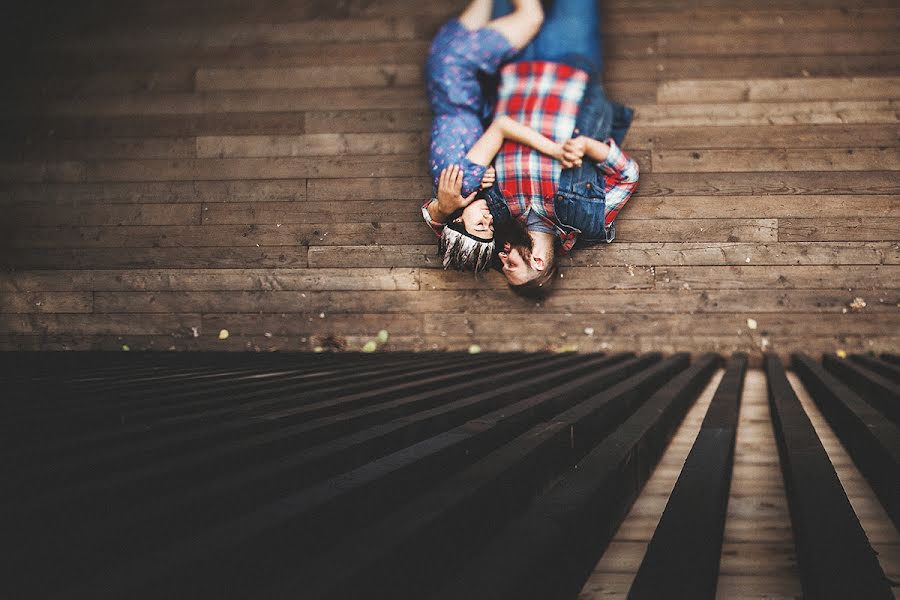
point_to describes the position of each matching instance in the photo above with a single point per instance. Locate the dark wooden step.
(303, 520)
(872, 441)
(549, 550)
(835, 557)
(882, 367)
(878, 391)
(415, 547)
(682, 560)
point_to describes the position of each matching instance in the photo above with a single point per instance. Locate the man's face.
(477, 219)
(517, 267)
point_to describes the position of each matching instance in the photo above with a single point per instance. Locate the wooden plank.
(849, 229)
(280, 78)
(666, 68)
(787, 113)
(837, 561)
(267, 257)
(789, 277)
(324, 30)
(107, 193)
(118, 148)
(46, 302)
(552, 546)
(322, 144)
(776, 43)
(347, 211)
(714, 91)
(355, 341)
(767, 184)
(880, 530)
(870, 439)
(723, 19)
(882, 367)
(401, 165)
(210, 279)
(42, 215)
(777, 159)
(130, 126)
(571, 327)
(451, 301)
(683, 556)
(227, 101)
(880, 392)
(788, 136)
(749, 207)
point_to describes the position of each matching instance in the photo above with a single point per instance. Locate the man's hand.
(490, 176)
(573, 151)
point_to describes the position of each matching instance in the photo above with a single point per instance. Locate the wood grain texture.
(262, 164)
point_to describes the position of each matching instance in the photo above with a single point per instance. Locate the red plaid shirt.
(545, 96)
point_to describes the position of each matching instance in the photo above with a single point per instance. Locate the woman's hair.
(462, 251)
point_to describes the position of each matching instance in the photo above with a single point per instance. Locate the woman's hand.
(573, 151)
(449, 190)
(490, 176)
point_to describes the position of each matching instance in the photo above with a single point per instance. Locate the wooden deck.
(167, 173)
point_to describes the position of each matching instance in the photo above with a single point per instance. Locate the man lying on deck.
(465, 47)
(544, 209)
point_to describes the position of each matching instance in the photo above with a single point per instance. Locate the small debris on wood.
(223, 334)
(751, 323)
(857, 305)
(474, 349)
(383, 336)
(841, 353)
(371, 346)
(125, 348)
(589, 331)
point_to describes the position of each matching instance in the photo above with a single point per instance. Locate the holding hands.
(574, 150)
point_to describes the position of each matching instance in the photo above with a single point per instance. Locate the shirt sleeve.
(621, 177)
(437, 228)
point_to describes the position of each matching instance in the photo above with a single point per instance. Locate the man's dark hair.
(516, 234)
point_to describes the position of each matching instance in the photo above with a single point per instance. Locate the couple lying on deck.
(559, 175)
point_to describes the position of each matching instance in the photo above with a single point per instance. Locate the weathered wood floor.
(167, 172)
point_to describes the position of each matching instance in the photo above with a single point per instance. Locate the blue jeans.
(570, 34)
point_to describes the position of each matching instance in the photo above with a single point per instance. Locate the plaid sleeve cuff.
(437, 228)
(618, 164)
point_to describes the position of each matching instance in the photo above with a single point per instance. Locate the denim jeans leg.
(572, 27)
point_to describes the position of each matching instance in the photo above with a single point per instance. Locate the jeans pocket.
(585, 214)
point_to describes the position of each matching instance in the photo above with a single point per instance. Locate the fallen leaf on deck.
(370, 346)
(474, 349)
(383, 336)
(841, 353)
(223, 335)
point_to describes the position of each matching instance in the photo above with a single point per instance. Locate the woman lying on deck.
(461, 148)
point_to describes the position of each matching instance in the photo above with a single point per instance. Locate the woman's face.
(477, 220)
